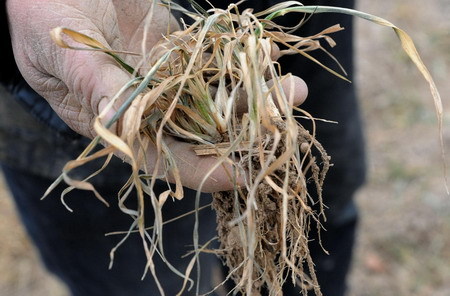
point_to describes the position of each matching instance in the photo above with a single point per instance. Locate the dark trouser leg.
(73, 245)
(332, 269)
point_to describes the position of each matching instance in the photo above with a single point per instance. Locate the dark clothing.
(35, 144)
(75, 248)
(8, 70)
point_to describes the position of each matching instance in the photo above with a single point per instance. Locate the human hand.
(79, 84)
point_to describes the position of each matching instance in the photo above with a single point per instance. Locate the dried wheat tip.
(55, 34)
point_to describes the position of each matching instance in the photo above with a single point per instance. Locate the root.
(274, 240)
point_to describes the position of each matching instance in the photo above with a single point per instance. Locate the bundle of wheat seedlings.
(198, 78)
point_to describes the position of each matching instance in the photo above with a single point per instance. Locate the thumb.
(92, 79)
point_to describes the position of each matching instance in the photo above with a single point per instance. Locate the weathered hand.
(75, 82)
(79, 84)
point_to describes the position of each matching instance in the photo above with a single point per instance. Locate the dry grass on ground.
(404, 241)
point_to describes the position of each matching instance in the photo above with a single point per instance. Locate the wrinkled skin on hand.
(79, 84)
(74, 82)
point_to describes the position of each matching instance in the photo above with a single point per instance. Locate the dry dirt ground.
(404, 239)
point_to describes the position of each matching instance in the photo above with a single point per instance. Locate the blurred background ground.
(404, 238)
(404, 241)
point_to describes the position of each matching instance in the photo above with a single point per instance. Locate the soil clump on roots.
(270, 230)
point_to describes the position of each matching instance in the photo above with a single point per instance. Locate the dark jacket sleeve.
(8, 70)
(11, 78)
